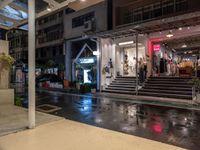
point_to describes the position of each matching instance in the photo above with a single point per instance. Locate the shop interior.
(177, 57)
(84, 62)
(126, 58)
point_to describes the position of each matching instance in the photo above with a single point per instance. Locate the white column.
(137, 81)
(31, 63)
(98, 65)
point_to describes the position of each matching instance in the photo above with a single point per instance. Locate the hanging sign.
(156, 47)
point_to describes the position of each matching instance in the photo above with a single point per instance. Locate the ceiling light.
(180, 29)
(49, 7)
(188, 28)
(96, 53)
(184, 46)
(126, 43)
(169, 35)
(82, 0)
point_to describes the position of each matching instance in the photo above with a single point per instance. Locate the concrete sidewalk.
(69, 135)
(14, 119)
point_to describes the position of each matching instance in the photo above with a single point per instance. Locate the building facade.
(146, 23)
(50, 41)
(18, 49)
(82, 59)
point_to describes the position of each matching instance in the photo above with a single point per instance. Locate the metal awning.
(153, 26)
(14, 13)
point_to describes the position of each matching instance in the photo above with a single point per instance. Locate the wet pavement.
(169, 125)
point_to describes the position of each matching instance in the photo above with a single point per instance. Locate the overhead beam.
(61, 5)
(4, 27)
(5, 3)
(8, 19)
(53, 2)
(17, 7)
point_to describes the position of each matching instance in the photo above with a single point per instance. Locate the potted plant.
(6, 94)
(6, 61)
(196, 82)
(78, 85)
(93, 88)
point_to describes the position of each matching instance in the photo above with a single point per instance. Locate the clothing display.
(126, 65)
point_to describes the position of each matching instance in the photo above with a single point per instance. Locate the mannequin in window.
(198, 61)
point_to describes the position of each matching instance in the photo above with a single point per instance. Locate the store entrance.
(126, 60)
(175, 58)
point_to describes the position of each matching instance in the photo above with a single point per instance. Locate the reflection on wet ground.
(173, 126)
(178, 127)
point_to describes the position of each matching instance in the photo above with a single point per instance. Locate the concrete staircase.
(122, 85)
(168, 87)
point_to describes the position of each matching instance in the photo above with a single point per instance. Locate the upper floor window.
(79, 21)
(149, 12)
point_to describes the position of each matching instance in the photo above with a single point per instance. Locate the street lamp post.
(31, 63)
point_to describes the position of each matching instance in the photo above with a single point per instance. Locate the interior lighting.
(49, 7)
(126, 43)
(169, 35)
(184, 46)
(96, 53)
(180, 29)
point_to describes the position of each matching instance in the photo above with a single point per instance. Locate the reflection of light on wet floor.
(176, 126)
(86, 104)
(128, 128)
(98, 120)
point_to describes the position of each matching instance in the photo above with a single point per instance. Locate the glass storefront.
(121, 53)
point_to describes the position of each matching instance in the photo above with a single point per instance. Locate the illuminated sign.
(86, 60)
(156, 47)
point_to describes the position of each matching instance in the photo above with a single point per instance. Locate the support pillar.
(137, 81)
(98, 65)
(31, 63)
(68, 61)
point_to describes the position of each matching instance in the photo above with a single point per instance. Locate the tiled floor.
(69, 135)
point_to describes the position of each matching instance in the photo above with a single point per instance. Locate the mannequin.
(169, 66)
(199, 62)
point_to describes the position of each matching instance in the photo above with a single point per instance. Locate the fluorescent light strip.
(126, 43)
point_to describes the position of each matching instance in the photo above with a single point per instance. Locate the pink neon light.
(156, 47)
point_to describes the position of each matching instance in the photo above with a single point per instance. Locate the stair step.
(120, 88)
(114, 83)
(186, 78)
(168, 82)
(168, 85)
(177, 81)
(167, 95)
(126, 81)
(127, 77)
(119, 91)
(167, 88)
(123, 86)
(167, 91)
